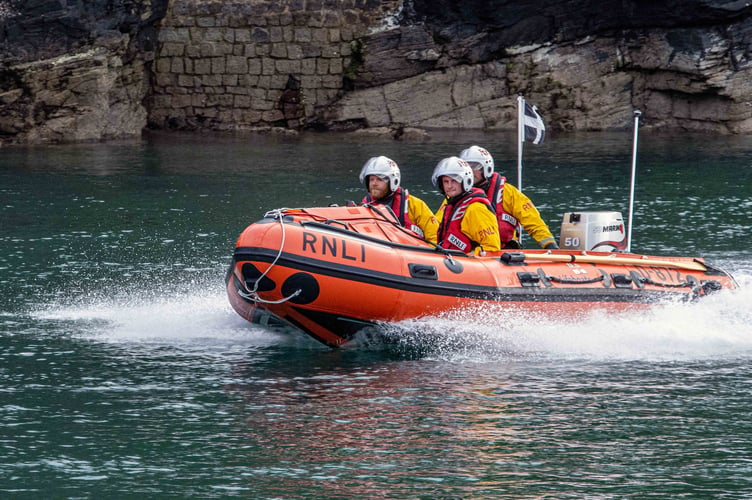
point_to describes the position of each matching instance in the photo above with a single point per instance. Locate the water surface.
(125, 373)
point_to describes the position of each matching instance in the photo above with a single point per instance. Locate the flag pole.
(520, 141)
(637, 114)
(520, 137)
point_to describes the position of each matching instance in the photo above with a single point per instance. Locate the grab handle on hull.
(694, 265)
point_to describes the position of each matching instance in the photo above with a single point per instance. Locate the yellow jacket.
(423, 217)
(479, 224)
(519, 206)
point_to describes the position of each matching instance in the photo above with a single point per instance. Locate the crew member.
(381, 177)
(467, 221)
(512, 207)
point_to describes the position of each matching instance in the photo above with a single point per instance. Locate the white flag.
(534, 129)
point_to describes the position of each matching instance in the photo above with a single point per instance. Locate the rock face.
(587, 64)
(74, 71)
(108, 68)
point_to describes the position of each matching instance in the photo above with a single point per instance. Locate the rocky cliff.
(109, 68)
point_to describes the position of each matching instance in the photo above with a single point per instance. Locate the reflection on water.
(124, 371)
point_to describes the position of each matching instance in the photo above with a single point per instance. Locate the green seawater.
(124, 373)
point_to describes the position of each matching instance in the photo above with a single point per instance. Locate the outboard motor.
(597, 231)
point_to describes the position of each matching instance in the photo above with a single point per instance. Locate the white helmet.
(385, 168)
(478, 155)
(455, 168)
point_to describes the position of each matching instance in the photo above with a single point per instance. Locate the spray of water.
(717, 326)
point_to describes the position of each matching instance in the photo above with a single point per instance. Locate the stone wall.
(242, 64)
(350, 64)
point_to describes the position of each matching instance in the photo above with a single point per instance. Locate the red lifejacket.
(494, 188)
(398, 202)
(450, 235)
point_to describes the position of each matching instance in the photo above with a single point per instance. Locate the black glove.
(552, 246)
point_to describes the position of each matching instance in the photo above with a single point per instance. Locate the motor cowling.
(597, 231)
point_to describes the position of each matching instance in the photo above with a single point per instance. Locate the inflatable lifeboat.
(334, 271)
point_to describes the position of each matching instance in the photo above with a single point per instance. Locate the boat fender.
(307, 284)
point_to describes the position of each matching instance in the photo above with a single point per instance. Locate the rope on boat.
(253, 294)
(399, 226)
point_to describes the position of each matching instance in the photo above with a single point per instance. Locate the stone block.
(198, 100)
(254, 66)
(181, 101)
(163, 65)
(330, 51)
(242, 101)
(303, 35)
(310, 82)
(257, 94)
(320, 36)
(288, 34)
(211, 80)
(272, 115)
(308, 67)
(335, 66)
(208, 49)
(248, 80)
(202, 66)
(228, 35)
(191, 51)
(278, 82)
(260, 35)
(263, 104)
(288, 67)
(236, 65)
(267, 66)
(176, 65)
(213, 35)
(242, 35)
(311, 51)
(164, 80)
(279, 50)
(218, 65)
(294, 51)
(331, 82)
(205, 21)
(275, 35)
(171, 49)
(185, 80)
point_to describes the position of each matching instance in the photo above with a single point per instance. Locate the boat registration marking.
(336, 247)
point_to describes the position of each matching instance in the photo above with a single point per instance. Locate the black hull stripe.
(444, 288)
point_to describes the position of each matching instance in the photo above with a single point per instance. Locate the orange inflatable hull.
(333, 271)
